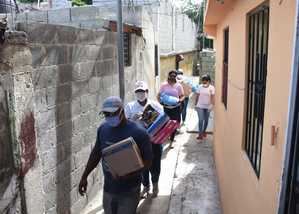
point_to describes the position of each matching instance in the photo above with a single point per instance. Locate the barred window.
(225, 67)
(257, 52)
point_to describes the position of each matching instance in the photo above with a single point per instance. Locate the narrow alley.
(188, 183)
(70, 69)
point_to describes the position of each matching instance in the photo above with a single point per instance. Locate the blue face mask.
(113, 121)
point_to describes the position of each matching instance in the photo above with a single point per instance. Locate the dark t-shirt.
(107, 136)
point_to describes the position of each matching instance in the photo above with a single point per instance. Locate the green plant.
(81, 2)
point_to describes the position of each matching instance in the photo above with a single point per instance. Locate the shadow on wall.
(64, 132)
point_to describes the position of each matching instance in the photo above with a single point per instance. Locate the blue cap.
(112, 104)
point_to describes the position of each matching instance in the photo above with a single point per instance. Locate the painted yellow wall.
(241, 191)
(168, 63)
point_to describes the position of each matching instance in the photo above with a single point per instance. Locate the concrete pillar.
(17, 55)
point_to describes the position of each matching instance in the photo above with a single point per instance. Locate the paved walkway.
(188, 184)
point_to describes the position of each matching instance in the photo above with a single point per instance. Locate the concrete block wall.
(73, 71)
(61, 77)
(87, 17)
(166, 28)
(185, 33)
(63, 73)
(176, 32)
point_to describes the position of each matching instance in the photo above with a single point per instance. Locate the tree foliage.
(195, 11)
(81, 2)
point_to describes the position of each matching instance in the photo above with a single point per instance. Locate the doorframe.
(291, 113)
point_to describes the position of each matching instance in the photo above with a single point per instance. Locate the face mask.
(179, 77)
(206, 84)
(141, 96)
(172, 79)
(113, 121)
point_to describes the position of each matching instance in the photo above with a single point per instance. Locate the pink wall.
(241, 191)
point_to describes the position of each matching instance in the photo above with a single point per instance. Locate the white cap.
(141, 85)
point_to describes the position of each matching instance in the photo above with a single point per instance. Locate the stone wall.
(207, 63)
(59, 79)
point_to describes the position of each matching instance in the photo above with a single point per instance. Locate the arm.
(158, 97)
(196, 98)
(127, 110)
(181, 93)
(212, 95)
(213, 99)
(182, 97)
(158, 107)
(93, 161)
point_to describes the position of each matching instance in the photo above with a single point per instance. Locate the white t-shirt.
(204, 98)
(134, 107)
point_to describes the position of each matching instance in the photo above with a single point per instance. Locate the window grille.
(257, 50)
(225, 67)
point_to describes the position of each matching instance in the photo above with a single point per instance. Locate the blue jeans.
(184, 111)
(155, 168)
(203, 119)
(121, 203)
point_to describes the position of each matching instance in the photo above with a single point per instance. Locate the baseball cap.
(180, 71)
(141, 85)
(111, 104)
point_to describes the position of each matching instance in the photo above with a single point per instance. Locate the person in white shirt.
(205, 100)
(133, 111)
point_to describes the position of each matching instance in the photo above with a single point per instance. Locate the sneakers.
(155, 190)
(204, 134)
(145, 192)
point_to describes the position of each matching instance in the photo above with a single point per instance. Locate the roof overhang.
(216, 10)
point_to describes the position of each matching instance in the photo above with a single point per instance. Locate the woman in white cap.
(133, 111)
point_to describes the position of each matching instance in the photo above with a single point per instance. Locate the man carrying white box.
(116, 143)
